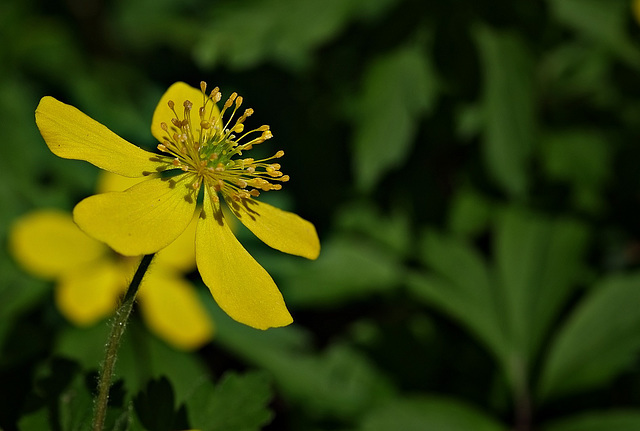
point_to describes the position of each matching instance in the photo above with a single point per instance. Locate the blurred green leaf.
(470, 213)
(582, 158)
(599, 340)
(347, 269)
(616, 420)
(156, 407)
(236, 403)
(603, 21)
(392, 231)
(142, 357)
(398, 88)
(539, 261)
(509, 108)
(61, 399)
(428, 413)
(286, 31)
(339, 382)
(510, 306)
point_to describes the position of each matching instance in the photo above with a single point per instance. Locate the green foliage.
(237, 403)
(416, 414)
(470, 166)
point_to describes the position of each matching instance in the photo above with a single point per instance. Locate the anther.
(203, 86)
(188, 105)
(171, 104)
(164, 126)
(162, 148)
(279, 154)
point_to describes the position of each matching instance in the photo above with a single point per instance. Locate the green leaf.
(509, 108)
(339, 382)
(599, 340)
(604, 21)
(61, 399)
(243, 34)
(617, 420)
(237, 403)
(428, 413)
(538, 262)
(470, 213)
(347, 269)
(142, 357)
(582, 158)
(511, 304)
(462, 287)
(398, 89)
(155, 407)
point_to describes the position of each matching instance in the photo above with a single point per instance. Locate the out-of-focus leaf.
(61, 399)
(470, 213)
(599, 340)
(463, 287)
(603, 21)
(398, 89)
(511, 305)
(581, 158)
(236, 403)
(508, 107)
(339, 382)
(428, 413)
(538, 263)
(156, 408)
(142, 357)
(617, 420)
(347, 269)
(393, 231)
(285, 31)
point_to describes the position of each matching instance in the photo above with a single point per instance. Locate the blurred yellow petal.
(181, 253)
(90, 293)
(108, 182)
(141, 220)
(242, 288)
(172, 309)
(48, 243)
(635, 7)
(70, 134)
(178, 93)
(279, 229)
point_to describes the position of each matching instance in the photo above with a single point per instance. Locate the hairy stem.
(119, 324)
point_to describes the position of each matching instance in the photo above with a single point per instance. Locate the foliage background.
(471, 167)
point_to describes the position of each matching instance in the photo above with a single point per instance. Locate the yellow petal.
(242, 288)
(70, 134)
(279, 229)
(108, 182)
(181, 253)
(48, 243)
(178, 93)
(141, 220)
(91, 292)
(172, 309)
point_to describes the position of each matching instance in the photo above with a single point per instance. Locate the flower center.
(212, 148)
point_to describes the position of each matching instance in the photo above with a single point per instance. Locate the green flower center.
(213, 148)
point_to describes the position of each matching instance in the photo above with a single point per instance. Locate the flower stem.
(113, 343)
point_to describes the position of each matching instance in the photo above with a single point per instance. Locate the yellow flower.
(205, 151)
(91, 277)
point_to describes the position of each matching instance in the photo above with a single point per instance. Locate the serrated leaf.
(508, 107)
(599, 340)
(616, 420)
(236, 403)
(398, 89)
(428, 413)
